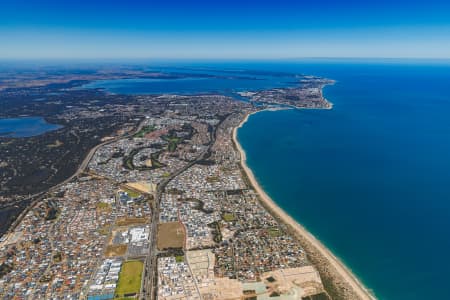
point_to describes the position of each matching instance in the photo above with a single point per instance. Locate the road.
(148, 289)
(36, 198)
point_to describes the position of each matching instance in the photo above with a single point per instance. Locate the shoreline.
(346, 275)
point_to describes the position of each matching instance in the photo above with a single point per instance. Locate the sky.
(219, 29)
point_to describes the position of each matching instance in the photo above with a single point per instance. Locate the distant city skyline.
(50, 29)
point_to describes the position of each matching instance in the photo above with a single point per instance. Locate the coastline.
(338, 268)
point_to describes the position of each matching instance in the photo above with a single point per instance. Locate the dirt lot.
(115, 250)
(170, 235)
(130, 221)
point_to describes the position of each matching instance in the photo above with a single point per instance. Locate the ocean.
(369, 178)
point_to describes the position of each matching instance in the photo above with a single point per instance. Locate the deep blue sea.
(25, 127)
(370, 178)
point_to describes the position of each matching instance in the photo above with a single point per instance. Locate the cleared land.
(129, 278)
(130, 221)
(170, 235)
(141, 186)
(115, 250)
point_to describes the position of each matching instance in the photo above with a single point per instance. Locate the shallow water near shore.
(370, 177)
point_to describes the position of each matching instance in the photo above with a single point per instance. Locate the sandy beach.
(324, 261)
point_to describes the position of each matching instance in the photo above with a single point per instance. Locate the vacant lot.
(129, 278)
(140, 186)
(229, 217)
(170, 235)
(115, 250)
(130, 221)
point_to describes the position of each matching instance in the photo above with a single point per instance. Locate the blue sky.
(223, 29)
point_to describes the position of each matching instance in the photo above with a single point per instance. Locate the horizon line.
(105, 59)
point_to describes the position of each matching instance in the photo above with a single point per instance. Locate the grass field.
(144, 131)
(170, 235)
(104, 230)
(274, 232)
(103, 206)
(212, 179)
(173, 142)
(129, 278)
(132, 193)
(229, 217)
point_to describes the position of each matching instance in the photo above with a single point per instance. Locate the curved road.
(37, 197)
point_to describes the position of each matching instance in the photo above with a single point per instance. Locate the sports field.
(130, 277)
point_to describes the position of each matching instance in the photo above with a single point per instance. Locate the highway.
(36, 198)
(149, 286)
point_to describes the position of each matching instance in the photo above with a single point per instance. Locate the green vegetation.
(132, 193)
(179, 258)
(212, 179)
(104, 230)
(274, 294)
(129, 163)
(156, 164)
(274, 232)
(128, 160)
(144, 131)
(52, 213)
(57, 257)
(5, 268)
(173, 142)
(229, 217)
(321, 296)
(103, 206)
(217, 234)
(129, 278)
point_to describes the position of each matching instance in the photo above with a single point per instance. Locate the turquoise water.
(371, 177)
(25, 127)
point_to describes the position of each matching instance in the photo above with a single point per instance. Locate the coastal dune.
(338, 280)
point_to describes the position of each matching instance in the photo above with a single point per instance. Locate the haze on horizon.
(134, 29)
